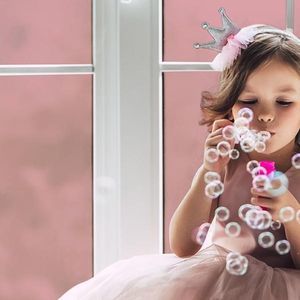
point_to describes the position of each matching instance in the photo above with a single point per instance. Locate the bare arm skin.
(196, 208)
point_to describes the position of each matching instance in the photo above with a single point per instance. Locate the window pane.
(46, 32)
(296, 18)
(183, 19)
(46, 185)
(183, 137)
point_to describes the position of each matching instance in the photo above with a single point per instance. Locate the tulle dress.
(204, 275)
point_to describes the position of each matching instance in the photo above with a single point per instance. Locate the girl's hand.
(274, 204)
(212, 141)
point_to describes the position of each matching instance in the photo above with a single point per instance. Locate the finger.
(220, 124)
(262, 201)
(214, 141)
(216, 132)
(258, 193)
(211, 142)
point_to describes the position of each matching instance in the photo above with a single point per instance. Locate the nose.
(265, 117)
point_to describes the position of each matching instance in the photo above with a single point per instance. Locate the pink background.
(183, 19)
(45, 185)
(183, 138)
(46, 32)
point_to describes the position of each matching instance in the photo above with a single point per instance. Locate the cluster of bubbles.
(240, 132)
(256, 218)
(248, 139)
(214, 186)
(275, 182)
(236, 264)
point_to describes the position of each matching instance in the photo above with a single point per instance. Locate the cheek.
(235, 109)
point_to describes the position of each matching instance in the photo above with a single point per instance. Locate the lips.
(268, 131)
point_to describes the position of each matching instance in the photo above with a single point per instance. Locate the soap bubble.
(246, 113)
(278, 184)
(223, 148)
(282, 247)
(202, 232)
(261, 183)
(222, 213)
(211, 176)
(259, 171)
(241, 124)
(214, 189)
(286, 214)
(243, 210)
(229, 132)
(296, 161)
(251, 165)
(264, 221)
(252, 217)
(212, 155)
(233, 229)
(248, 134)
(236, 264)
(275, 225)
(247, 144)
(263, 136)
(260, 146)
(266, 239)
(234, 154)
(258, 219)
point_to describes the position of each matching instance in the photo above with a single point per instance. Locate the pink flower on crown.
(232, 49)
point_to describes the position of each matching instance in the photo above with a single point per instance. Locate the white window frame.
(128, 127)
(127, 204)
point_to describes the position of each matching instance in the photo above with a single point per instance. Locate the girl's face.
(273, 93)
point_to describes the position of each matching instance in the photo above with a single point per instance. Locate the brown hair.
(269, 44)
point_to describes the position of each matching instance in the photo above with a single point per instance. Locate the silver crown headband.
(230, 39)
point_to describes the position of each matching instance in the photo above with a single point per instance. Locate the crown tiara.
(219, 35)
(230, 39)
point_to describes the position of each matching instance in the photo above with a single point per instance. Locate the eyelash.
(282, 103)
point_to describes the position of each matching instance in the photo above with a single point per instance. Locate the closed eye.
(280, 102)
(247, 102)
(284, 103)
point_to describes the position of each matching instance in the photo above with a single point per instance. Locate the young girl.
(265, 77)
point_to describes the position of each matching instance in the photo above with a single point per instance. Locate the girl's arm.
(195, 208)
(292, 232)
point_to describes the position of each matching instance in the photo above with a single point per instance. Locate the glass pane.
(46, 32)
(183, 137)
(46, 185)
(296, 18)
(183, 19)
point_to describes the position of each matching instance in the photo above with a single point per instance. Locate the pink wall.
(183, 19)
(46, 32)
(297, 17)
(46, 150)
(45, 185)
(183, 138)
